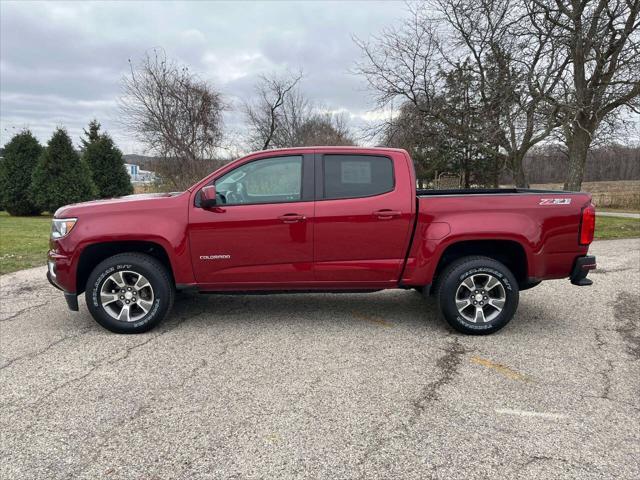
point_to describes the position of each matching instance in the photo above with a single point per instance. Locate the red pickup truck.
(332, 219)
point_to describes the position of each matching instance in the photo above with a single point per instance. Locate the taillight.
(587, 224)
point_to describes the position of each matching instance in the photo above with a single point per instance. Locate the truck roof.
(331, 148)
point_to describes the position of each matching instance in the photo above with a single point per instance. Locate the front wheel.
(477, 295)
(129, 293)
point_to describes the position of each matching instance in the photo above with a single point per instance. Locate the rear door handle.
(292, 218)
(387, 214)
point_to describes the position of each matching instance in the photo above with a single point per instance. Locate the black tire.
(156, 275)
(471, 269)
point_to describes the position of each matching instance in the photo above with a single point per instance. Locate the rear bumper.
(581, 268)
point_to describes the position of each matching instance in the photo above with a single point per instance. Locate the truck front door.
(260, 234)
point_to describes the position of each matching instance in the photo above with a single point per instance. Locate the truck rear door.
(363, 217)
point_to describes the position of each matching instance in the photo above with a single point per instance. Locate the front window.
(271, 180)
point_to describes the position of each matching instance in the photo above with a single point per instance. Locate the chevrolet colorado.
(337, 219)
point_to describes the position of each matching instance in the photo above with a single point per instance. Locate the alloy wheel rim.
(127, 296)
(480, 298)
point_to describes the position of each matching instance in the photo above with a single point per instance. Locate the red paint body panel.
(548, 234)
(354, 244)
(159, 219)
(263, 249)
(336, 245)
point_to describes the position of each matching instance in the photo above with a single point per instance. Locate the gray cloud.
(61, 63)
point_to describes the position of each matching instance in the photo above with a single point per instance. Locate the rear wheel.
(477, 295)
(129, 293)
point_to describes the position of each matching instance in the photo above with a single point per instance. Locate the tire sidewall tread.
(463, 268)
(155, 273)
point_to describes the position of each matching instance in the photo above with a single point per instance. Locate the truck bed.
(542, 225)
(425, 192)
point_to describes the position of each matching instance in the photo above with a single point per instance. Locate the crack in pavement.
(110, 361)
(448, 366)
(584, 466)
(607, 382)
(604, 271)
(96, 366)
(627, 313)
(44, 350)
(20, 312)
(138, 412)
(543, 458)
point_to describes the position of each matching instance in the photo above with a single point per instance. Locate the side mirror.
(208, 196)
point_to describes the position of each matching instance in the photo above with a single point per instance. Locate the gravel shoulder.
(326, 386)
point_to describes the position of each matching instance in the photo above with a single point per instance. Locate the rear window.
(349, 176)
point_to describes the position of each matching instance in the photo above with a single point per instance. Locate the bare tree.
(510, 74)
(600, 41)
(323, 128)
(433, 149)
(265, 114)
(517, 69)
(175, 114)
(282, 116)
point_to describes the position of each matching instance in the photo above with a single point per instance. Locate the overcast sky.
(61, 63)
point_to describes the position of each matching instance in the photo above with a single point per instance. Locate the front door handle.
(292, 218)
(387, 214)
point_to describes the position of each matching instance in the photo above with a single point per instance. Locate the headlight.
(62, 226)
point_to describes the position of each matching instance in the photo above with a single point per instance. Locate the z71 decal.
(555, 201)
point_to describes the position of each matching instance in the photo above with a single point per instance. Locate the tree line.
(472, 87)
(548, 164)
(481, 82)
(476, 88)
(36, 179)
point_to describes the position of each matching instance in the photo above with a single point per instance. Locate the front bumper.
(71, 298)
(581, 268)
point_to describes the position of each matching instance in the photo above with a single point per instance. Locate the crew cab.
(319, 219)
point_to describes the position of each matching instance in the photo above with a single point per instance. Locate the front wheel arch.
(95, 253)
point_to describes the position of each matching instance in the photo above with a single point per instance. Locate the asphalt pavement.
(326, 386)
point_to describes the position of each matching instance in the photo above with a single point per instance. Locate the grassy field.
(24, 241)
(621, 195)
(616, 227)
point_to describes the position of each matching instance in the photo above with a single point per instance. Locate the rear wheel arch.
(510, 253)
(95, 253)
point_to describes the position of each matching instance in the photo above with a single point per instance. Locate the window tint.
(272, 180)
(348, 176)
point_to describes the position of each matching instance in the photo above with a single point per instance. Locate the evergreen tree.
(61, 176)
(107, 167)
(92, 134)
(20, 159)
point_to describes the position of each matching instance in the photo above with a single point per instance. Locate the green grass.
(24, 242)
(616, 227)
